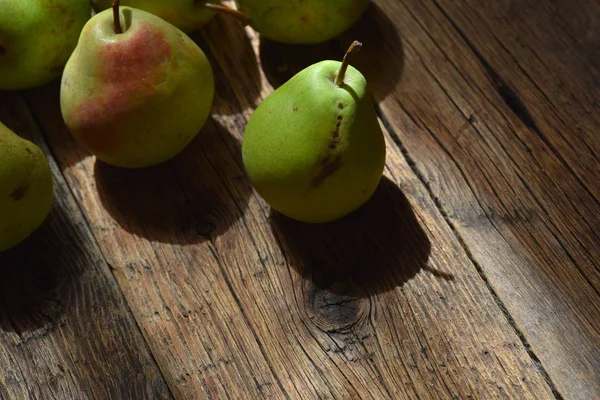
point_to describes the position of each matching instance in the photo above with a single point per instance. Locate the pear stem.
(354, 48)
(243, 18)
(117, 17)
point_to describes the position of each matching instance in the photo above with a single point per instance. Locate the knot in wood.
(338, 309)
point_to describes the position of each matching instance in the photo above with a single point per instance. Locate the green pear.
(313, 149)
(302, 21)
(37, 38)
(25, 188)
(135, 94)
(187, 15)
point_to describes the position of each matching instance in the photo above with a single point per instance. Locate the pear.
(25, 188)
(313, 149)
(135, 94)
(302, 21)
(37, 38)
(187, 15)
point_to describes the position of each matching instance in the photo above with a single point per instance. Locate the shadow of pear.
(381, 59)
(44, 102)
(375, 249)
(39, 275)
(191, 198)
(235, 66)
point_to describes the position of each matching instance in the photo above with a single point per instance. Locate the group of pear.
(135, 91)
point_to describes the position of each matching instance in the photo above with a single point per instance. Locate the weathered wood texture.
(496, 111)
(473, 272)
(236, 303)
(65, 330)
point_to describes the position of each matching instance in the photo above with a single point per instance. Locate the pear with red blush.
(136, 90)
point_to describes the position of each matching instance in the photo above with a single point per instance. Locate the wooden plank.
(237, 303)
(507, 152)
(65, 330)
(550, 54)
(561, 126)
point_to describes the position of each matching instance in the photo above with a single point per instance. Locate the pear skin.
(137, 98)
(302, 21)
(187, 15)
(314, 150)
(26, 187)
(37, 38)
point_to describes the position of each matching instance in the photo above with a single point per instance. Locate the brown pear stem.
(354, 48)
(243, 18)
(117, 17)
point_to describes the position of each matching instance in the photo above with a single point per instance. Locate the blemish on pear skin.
(335, 139)
(329, 166)
(295, 109)
(19, 192)
(129, 73)
(60, 9)
(341, 106)
(51, 4)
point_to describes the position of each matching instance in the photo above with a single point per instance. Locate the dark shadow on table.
(230, 52)
(38, 275)
(44, 103)
(193, 197)
(381, 59)
(375, 249)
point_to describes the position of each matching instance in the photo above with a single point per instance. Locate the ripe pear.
(36, 39)
(302, 21)
(313, 149)
(25, 188)
(187, 15)
(136, 90)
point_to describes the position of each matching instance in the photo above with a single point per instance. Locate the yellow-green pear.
(36, 39)
(187, 15)
(136, 90)
(25, 188)
(313, 149)
(302, 21)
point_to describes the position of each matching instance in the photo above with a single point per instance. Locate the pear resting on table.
(25, 188)
(314, 149)
(302, 21)
(136, 90)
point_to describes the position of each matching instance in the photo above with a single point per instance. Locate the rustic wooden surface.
(472, 273)
(65, 329)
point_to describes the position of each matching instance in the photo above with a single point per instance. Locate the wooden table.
(474, 272)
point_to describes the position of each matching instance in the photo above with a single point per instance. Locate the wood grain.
(495, 113)
(65, 331)
(235, 302)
